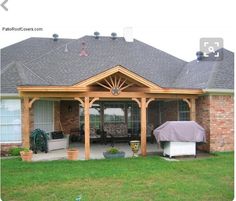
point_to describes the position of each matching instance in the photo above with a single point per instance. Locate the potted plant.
(135, 144)
(72, 154)
(26, 154)
(113, 153)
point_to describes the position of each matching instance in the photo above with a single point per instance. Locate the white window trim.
(18, 141)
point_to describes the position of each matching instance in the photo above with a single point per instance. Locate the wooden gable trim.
(114, 70)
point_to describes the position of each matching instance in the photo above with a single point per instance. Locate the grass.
(150, 178)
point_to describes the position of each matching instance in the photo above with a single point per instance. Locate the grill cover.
(180, 131)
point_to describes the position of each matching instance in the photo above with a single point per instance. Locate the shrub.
(113, 150)
(15, 151)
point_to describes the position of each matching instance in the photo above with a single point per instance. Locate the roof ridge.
(161, 51)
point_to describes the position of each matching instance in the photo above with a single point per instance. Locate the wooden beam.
(143, 127)
(150, 100)
(104, 86)
(80, 100)
(193, 109)
(128, 85)
(87, 128)
(137, 101)
(108, 83)
(188, 102)
(103, 94)
(26, 123)
(92, 101)
(32, 101)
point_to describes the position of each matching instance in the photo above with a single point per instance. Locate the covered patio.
(114, 85)
(96, 151)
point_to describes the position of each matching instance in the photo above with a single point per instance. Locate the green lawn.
(150, 178)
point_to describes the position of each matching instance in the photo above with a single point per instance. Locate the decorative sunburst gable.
(116, 80)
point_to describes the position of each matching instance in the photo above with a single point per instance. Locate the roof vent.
(200, 56)
(128, 34)
(66, 48)
(55, 37)
(96, 34)
(83, 52)
(113, 35)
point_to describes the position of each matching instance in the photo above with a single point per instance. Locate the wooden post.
(193, 109)
(143, 127)
(26, 123)
(87, 128)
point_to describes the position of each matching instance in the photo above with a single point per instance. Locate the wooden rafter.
(103, 85)
(115, 84)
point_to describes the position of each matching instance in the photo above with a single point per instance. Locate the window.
(43, 115)
(114, 113)
(133, 117)
(10, 120)
(95, 116)
(184, 113)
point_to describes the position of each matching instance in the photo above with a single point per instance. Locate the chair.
(94, 137)
(60, 142)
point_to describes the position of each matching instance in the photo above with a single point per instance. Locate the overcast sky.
(172, 26)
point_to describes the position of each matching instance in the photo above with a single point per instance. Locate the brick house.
(61, 84)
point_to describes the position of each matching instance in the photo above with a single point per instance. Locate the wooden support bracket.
(150, 100)
(188, 102)
(32, 101)
(80, 100)
(137, 101)
(92, 101)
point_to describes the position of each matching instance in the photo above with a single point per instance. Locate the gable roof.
(42, 61)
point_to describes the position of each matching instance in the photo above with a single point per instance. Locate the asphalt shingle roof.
(42, 61)
(208, 74)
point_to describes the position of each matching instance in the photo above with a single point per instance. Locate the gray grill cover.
(180, 131)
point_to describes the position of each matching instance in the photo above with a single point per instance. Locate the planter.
(26, 155)
(108, 155)
(72, 154)
(135, 144)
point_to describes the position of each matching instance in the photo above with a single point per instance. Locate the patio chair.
(57, 140)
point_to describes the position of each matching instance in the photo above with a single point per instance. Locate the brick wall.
(216, 114)
(69, 119)
(221, 123)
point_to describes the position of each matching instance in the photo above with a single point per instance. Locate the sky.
(172, 26)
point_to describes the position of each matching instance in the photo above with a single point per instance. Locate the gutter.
(219, 91)
(9, 95)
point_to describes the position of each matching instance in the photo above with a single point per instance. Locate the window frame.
(20, 124)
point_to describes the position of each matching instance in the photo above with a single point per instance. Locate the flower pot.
(72, 154)
(135, 144)
(26, 155)
(108, 155)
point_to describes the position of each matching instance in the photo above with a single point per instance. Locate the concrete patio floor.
(96, 151)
